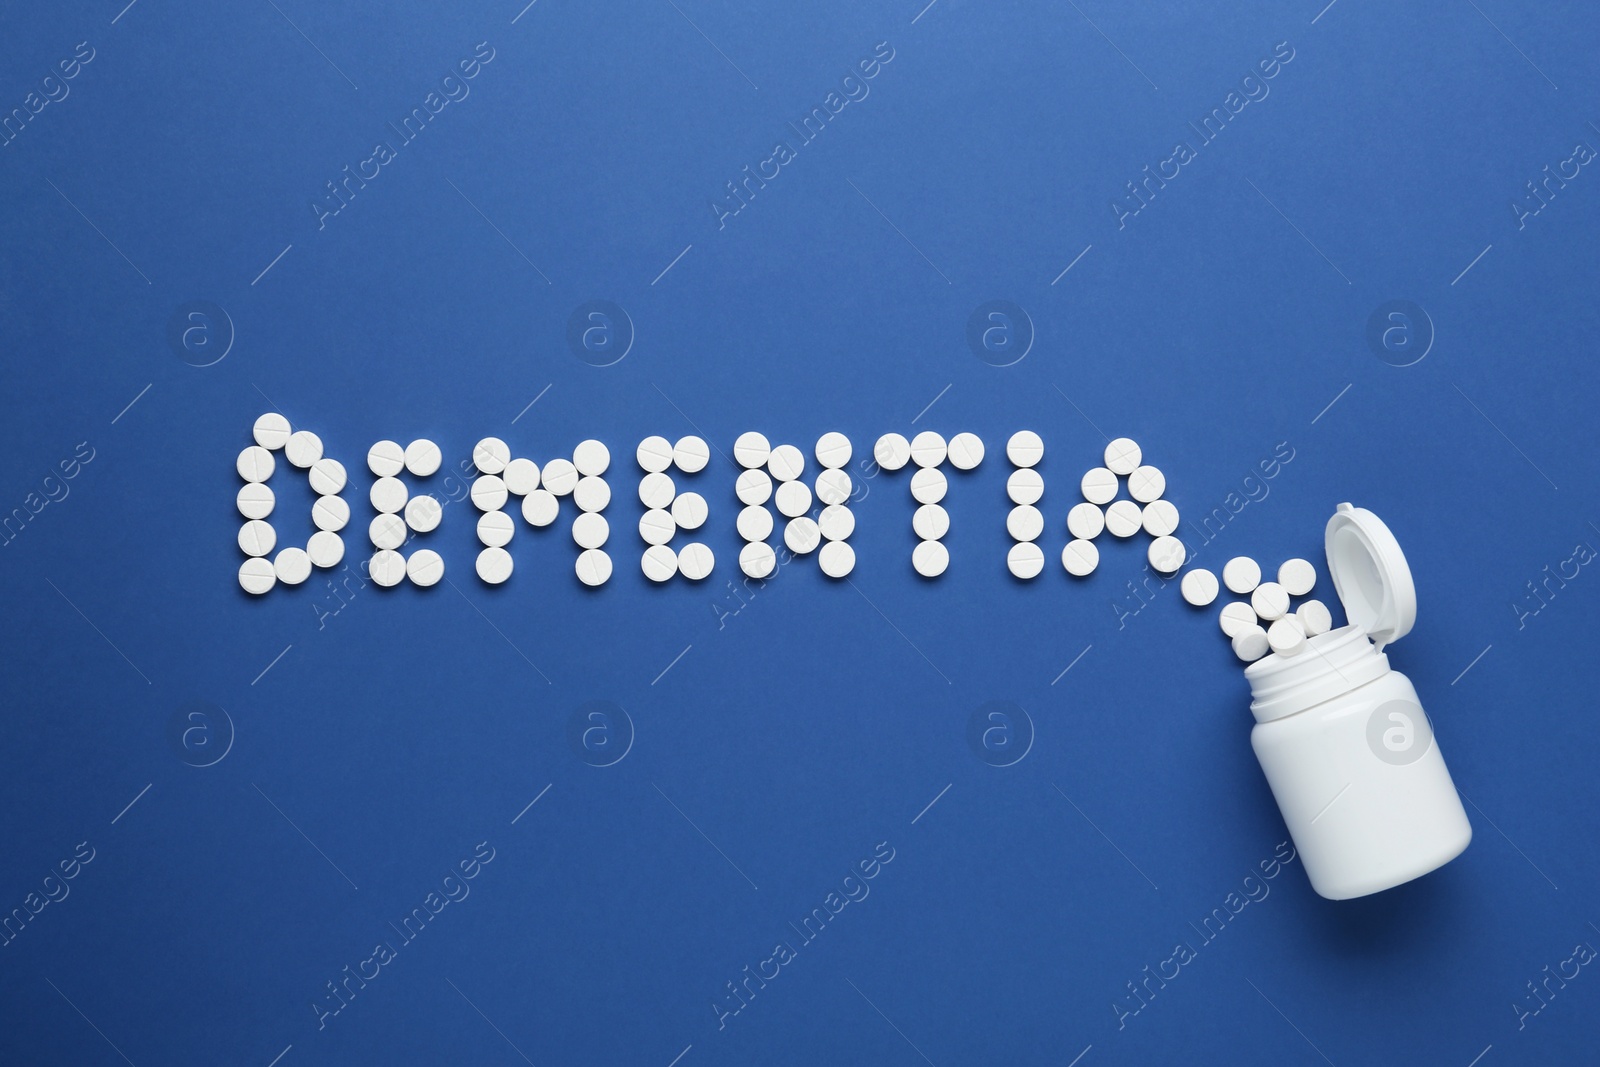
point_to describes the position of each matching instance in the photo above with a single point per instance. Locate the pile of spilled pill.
(1271, 602)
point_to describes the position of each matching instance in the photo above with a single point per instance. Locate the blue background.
(770, 749)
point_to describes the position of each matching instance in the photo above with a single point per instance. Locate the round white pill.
(833, 450)
(965, 451)
(330, 513)
(303, 448)
(753, 487)
(257, 537)
(1297, 576)
(754, 523)
(1251, 643)
(837, 522)
(654, 454)
(1237, 616)
(386, 459)
(929, 485)
(802, 535)
(387, 568)
(292, 566)
(424, 512)
(1200, 587)
(757, 559)
(1099, 485)
(256, 575)
(488, 492)
(689, 511)
(388, 495)
(327, 477)
(1025, 486)
(559, 476)
(1025, 560)
(655, 490)
(1025, 523)
(834, 486)
(592, 493)
(591, 457)
(494, 565)
(1123, 456)
(928, 449)
(659, 563)
(695, 561)
(387, 531)
(495, 529)
(1166, 554)
(892, 451)
(1025, 449)
(590, 530)
(793, 499)
(1314, 618)
(786, 463)
(1146, 484)
(255, 500)
(255, 464)
(751, 449)
(1286, 637)
(931, 522)
(521, 476)
(1241, 574)
(1124, 518)
(271, 431)
(837, 559)
(540, 507)
(656, 526)
(1270, 601)
(325, 548)
(691, 454)
(1080, 557)
(593, 567)
(491, 455)
(1160, 518)
(930, 558)
(425, 567)
(423, 457)
(1086, 521)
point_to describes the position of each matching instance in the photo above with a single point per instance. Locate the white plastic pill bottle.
(1344, 742)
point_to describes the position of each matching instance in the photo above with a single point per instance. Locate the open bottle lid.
(1370, 574)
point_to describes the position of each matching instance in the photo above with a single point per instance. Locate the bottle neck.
(1328, 666)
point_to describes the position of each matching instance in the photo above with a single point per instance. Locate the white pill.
(303, 448)
(1080, 557)
(757, 559)
(388, 495)
(659, 563)
(1200, 587)
(930, 558)
(256, 575)
(559, 476)
(834, 486)
(327, 477)
(691, 454)
(656, 526)
(387, 568)
(521, 476)
(590, 530)
(929, 485)
(386, 459)
(1297, 576)
(593, 567)
(1025, 560)
(965, 451)
(387, 531)
(1086, 521)
(1099, 485)
(257, 537)
(1286, 637)
(1241, 574)
(1025, 523)
(1025, 486)
(793, 499)
(928, 449)
(931, 522)
(1166, 554)
(330, 513)
(1146, 484)
(424, 512)
(591, 457)
(292, 566)
(494, 565)
(1123, 456)
(655, 490)
(689, 511)
(255, 500)
(838, 522)
(654, 454)
(540, 507)
(325, 548)
(1160, 518)
(802, 535)
(1025, 449)
(754, 523)
(425, 567)
(423, 457)
(592, 493)
(892, 451)
(695, 561)
(1314, 618)
(786, 463)
(753, 487)
(1251, 643)
(1270, 601)
(751, 449)
(1124, 518)
(494, 529)
(837, 559)
(271, 431)
(488, 492)
(1236, 617)
(491, 455)
(255, 464)
(833, 450)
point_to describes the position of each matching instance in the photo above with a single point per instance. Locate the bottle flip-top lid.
(1370, 574)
